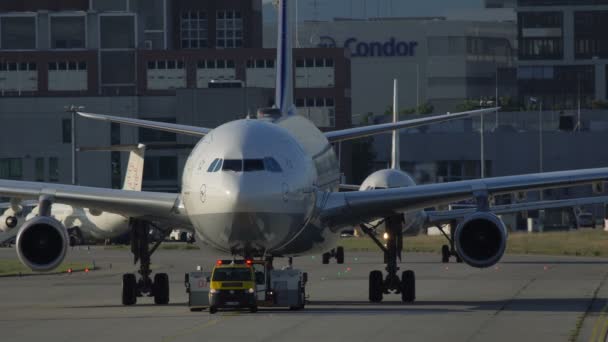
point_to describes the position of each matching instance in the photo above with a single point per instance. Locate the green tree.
(467, 105)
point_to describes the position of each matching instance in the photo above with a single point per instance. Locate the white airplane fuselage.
(94, 225)
(262, 212)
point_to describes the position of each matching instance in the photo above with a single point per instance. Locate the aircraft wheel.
(340, 255)
(445, 254)
(326, 257)
(212, 309)
(161, 288)
(129, 289)
(253, 309)
(375, 286)
(408, 286)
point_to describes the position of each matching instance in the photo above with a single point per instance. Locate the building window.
(115, 133)
(541, 35)
(67, 32)
(39, 169)
(11, 168)
(117, 31)
(541, 48)
(451, 171)
(152, 135)
(66, 131)
(54, 169)
(194, 30)
(160, 168)
(116, 169)
(165, 65)
(558, 87)
(229, 29)
(321, 111)
(18, 33)
(589, 34)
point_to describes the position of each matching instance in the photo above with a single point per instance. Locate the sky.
(328, 9)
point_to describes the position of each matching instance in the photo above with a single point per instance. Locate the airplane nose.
(231, 190)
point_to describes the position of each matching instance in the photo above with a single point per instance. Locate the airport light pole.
(496, 98)
(72, 110)
(417, 88)
(482, 158)
(74, 170)
(540, 136)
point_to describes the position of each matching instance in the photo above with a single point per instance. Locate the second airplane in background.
(83, 224)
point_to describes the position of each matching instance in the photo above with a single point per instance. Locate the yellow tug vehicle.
(232, 286)
(245, 284)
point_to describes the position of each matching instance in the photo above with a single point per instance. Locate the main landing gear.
(133, 288)
(378, 285)
(449, 251)
(337, 253)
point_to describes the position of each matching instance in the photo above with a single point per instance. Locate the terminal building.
(563, 51)
(197, 62)
(437, 61)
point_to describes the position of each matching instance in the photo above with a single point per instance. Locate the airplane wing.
(346, 208)
(161, 126)
(149, 205)
(445, 216)
(359, 132)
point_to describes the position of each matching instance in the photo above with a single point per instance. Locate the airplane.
(267, 187)
(416, 221)
(82, 224)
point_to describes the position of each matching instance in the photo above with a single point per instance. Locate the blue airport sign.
(389, 48)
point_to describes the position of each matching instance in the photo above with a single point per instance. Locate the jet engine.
(42, 243)
(481, 239)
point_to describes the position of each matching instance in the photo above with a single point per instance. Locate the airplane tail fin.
(396, 155)
(135, 165)
(284, 82)
(135, 169)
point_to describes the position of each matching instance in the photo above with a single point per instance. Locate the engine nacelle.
(42, 243)
(481, 239)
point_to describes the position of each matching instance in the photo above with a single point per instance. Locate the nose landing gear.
(378, 285)
(133, 288)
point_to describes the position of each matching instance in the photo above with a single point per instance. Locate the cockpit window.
(215, 165)
(253, 165)
(272, 165)
(235, 165)
(248, 165)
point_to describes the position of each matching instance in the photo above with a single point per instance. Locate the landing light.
(385, 236)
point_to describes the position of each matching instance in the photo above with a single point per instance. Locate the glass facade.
(541, 35)
(18, 33)
(68, 32)
(590, 39)
(11, 168)
(558, 87)
(194, 30)
(229, 29)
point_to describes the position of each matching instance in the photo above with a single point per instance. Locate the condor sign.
(390, 48)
